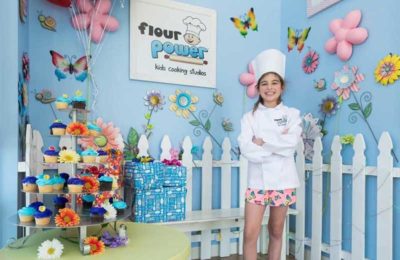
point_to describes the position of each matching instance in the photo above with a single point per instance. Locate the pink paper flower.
(109, 138)
(310, 62)
(347, 80)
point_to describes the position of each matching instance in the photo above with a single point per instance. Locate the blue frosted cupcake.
(63, 102)
(26, 214)
(105, 183)
(36, 205)
(97, 214)
(102, 156)
(58, 183)
(75, 185)
(94, 130)
(78, 101)
(57, 128)
(42, 216)
(29, 184)
(45, 183)
(89, 155)
(51, 155)
(59, 203)
(87, 201)
(120, 206)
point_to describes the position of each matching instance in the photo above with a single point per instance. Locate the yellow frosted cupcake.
(51, 155)
(42, 216)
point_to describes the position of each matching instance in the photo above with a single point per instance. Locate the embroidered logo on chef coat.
(281, 121)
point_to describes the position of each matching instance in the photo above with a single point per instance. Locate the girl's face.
(270, 89)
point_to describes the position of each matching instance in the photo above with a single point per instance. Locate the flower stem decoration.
(154, 101)
(67, 218)
(96, 246)
(388, 69)
(328, 108)
(50, 249)
(183, 105)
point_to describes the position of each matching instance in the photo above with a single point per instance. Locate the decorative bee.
(47, 22)
(227, 125)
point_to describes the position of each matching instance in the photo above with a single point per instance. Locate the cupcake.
(59, 203)
(120, 206)
(42, 216)
(57, 128)
(105, 183)
(78, 101)
(65, 176)
(94, 130)
(36, 205)
(58, 183)
(89, 155)
(29, 184)
(102, 156)
(45, 183)
(51, 155)
(88, 201)
(63, 102)
(75, 185)
(26, 214)
(97, 214)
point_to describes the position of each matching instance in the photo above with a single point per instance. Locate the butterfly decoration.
(297, 37)
(320, 84)
(47, 22)
(64, 66)
(248, 21)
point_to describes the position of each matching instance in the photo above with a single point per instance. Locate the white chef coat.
(271, 166)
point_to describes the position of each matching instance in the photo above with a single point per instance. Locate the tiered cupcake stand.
(70, 142)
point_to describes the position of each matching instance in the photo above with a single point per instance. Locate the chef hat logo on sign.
(193, 28)
(270, 60)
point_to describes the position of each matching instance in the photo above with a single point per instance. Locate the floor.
(240, 257)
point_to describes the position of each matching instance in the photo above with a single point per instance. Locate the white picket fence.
(216, 224)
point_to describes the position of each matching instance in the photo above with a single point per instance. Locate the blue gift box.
(175, 203)
(175, 176)
(145, 175)
(150, 205)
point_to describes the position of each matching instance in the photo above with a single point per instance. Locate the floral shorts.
(273, 198)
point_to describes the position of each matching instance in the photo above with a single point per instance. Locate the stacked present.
(160, 189)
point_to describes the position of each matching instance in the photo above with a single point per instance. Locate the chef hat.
(271, 60)
(194, 25)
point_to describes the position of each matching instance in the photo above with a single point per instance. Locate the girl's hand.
(258, 141)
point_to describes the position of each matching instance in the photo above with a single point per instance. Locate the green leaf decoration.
(367, 110)
(150, 126)
(354, 106)
(340, 100)
(133, 137)
(147, 116)
(195, 122)
(208, 125)
(128, 155)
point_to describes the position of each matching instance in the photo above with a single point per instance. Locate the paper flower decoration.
(113, 241)
(111, 211)
(218, 98)
(50, 249)
(96, 246)
(329, 106)
(77, 128)
(310, 62)
(67, 218)
(346, 33)
(154, 100)
(347, 139)
(183, 103)
(90, 184)
(311, 130)
(227, 125)
(320, 84)
(388, 69)
(68, 156)
(347, 80)
(95, 17)
(109, 138)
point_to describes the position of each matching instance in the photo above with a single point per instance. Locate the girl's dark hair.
(260, 100)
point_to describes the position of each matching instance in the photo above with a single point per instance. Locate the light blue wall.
(381, 20)
(8, 117)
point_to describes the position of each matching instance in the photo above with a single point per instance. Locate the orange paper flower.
(67, 218)
(91, 184)
(96, 246)
(77, 128)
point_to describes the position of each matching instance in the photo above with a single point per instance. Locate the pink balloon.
(95, 17)
(346, 33)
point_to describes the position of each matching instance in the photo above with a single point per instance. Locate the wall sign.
(316, 6)
(172, 42)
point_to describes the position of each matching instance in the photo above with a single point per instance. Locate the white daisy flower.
(50, 249)
(111, 211)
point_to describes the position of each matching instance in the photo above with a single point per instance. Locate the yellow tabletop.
(146, 241)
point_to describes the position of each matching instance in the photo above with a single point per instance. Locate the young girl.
(268, 139)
